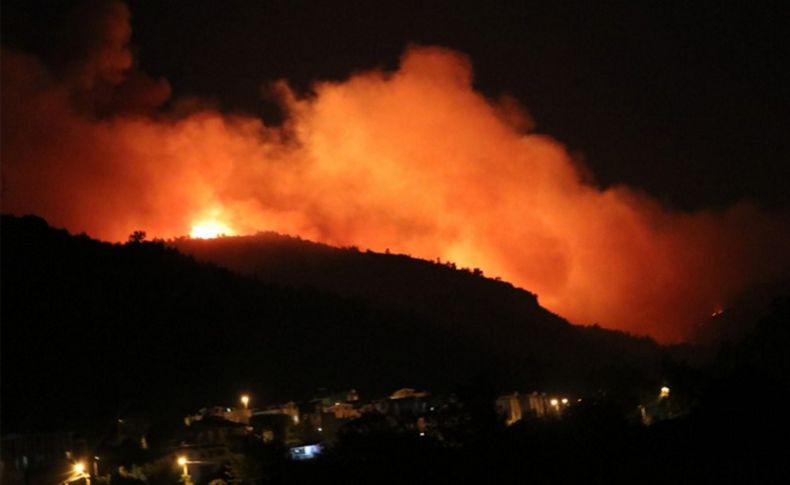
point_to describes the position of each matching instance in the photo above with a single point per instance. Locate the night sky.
(687, 100)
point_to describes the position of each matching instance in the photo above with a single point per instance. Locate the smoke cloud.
(413, 160)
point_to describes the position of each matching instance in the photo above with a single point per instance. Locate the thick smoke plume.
(413, 160)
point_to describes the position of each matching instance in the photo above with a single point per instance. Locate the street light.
(182, 462)
(79, 472)
(245, 400)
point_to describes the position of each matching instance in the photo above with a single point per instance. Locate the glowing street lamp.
(664, 392)
(182, 462)
(245, 400)
(79, 472)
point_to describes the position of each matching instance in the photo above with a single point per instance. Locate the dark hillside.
(490, 312)
(95, 330)
(92, 327)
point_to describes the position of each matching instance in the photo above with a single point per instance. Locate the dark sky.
(688, 101)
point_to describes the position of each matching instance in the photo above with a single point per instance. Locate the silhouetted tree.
(137, 237)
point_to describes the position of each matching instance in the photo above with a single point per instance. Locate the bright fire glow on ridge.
(209, 230)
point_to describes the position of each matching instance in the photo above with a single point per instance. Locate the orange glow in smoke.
(414, 160)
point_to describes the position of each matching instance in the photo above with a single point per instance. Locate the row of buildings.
(213, 437)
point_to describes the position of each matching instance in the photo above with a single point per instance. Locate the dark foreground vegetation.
(94, 333)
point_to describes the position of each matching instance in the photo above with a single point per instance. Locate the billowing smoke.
(413, 160)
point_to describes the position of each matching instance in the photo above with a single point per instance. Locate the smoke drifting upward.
(413, 160)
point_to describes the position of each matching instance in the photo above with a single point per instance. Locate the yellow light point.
(245, 400)
(565, 400)
(664, 392)
(79, 468)
(182, 460)
(209, 229)
(554, 402)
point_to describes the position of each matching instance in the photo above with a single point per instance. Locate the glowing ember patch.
(210, 230)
